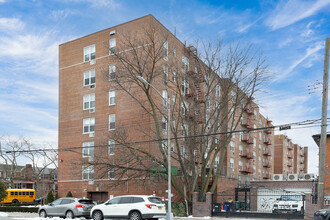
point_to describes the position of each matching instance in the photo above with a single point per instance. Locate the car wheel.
(97, 215)
(135, 216)
(42, 214)
(69, 215)
(328, 217)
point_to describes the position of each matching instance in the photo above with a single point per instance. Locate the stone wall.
(202, 209)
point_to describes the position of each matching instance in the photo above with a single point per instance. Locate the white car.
(133, 207)
(289, 204)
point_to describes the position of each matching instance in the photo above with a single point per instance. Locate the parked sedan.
(322, 214)
(67, 207)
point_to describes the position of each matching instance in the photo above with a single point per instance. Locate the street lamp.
(167, 100)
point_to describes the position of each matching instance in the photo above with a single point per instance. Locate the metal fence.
(260, 202)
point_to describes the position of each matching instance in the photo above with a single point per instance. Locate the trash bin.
(217, 207)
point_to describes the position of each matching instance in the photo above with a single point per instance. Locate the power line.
(307, 123)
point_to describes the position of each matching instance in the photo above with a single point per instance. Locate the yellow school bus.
(19, 195)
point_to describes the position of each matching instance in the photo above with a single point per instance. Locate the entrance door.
(99, 196)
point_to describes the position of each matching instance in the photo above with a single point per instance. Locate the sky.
(290, 34)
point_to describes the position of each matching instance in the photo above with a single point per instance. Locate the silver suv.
(134, 207)
(68, 208)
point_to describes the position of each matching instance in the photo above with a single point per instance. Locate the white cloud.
(246, 27)
(112, 4)
(11, 24)
(292, 11)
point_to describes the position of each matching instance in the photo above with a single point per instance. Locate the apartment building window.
(173, 77)
(174, 52)
(89, 53)
(184, 108)
(112, 72)
(259, 173)
(172, 147)
(165, 50)
(233, 95)
(164, 99)
(112, 46)
(183, 152)
(232, 161)
(112, 97)
(165, 74)
(208, 102)
(164, 125)
(89, 101)
(259, 160)
(254, 142)
(111, 147)
(260, 136)
(254, 155)
(88, 172)
(240, 165)
(88, 125)
(216, 162)
(217, 90)
(164, 146)
(184, 130)
(111, 173)
(259, 148)
(240, 148)
(88, 149)
(112, 122)
(255, 114)
(185, 87)
(89, 77)
(232, 146)
(185, 64)
(254, 169)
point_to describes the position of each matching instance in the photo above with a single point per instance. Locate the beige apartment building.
(94, 110)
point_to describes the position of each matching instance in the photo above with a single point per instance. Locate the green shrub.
(50, 197)
(69, 194)
(18, 209)
(178, 209)
(56, 196)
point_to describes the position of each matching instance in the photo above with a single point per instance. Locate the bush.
(69, 194)
(178, 209)
(50, 197)
(18, 209)
(56, 196)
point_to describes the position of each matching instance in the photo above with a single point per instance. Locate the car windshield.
(291, 198)
(155, 200)
(85, 201)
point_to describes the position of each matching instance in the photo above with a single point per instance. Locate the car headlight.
(294, 206)
(323, 212)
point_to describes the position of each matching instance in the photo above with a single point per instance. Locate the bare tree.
(208, 91)
(14, 146)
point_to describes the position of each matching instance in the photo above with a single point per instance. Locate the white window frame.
(174, 52)
(185, 64)
(89, 75)
(89, 171)
(165, 50)
(112, 46)
(184, 108)
(111, 147)
(89, 99)
(185, 87)
(217, 90)
(112, 72)
(173, 76)
(111, 173)
(90, 124)
(165, 99)
(232, 162)
(89, 53)
(112, 97)
(183, 152)
(165, 74)
(164, 125)
(87, 149)
(232, 146)
(112, 122)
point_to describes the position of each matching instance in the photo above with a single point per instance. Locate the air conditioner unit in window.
(293, 177)
(112, 32)
(91, 182)
(92, 86)
(92, 62)
(92, 110)
(91, 134)
(91, 159)
(277, 177)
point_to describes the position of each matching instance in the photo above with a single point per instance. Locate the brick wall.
(202, 209)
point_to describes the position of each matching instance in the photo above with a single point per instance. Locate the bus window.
(23, 193)
(11, 193)
(31, 193)
(19, 193)
(15, 193)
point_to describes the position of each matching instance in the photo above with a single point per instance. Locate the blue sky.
(290, 34)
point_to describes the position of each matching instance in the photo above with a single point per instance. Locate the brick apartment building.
(290, 158)
(92, 108)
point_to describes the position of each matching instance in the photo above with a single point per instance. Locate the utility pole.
(323, 141)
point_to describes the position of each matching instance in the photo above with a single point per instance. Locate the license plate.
(160, 208)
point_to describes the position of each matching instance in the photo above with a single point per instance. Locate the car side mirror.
(278, 199)
(51, 204)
